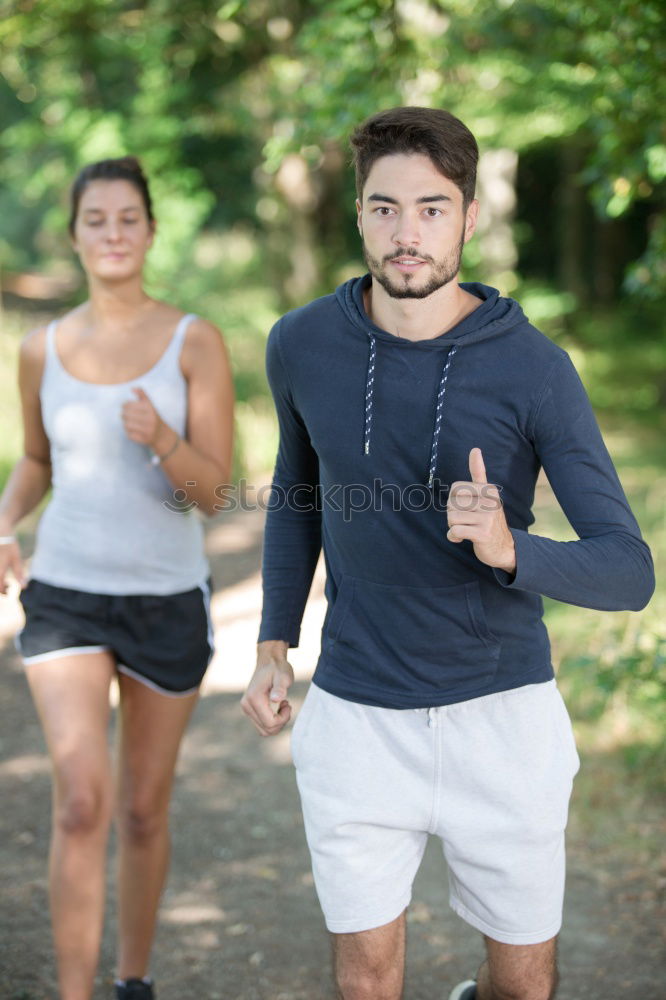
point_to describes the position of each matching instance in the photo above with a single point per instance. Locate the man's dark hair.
(431, 131)
(122, 168)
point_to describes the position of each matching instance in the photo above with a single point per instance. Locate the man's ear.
(471, 218)
(359, 212)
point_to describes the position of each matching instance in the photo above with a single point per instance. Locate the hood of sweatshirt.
(494, 317)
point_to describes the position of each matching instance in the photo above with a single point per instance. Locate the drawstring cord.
(438, 417)
(369, 397)
(369, 391)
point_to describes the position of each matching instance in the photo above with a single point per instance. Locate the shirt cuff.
(270, 631)
(519, 580)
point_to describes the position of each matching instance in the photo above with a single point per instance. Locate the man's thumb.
(477, 467)
(278, 692)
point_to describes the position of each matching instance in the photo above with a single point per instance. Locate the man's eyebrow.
(426, 200)
(433, 197)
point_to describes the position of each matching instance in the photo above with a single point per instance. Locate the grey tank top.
(109, 528)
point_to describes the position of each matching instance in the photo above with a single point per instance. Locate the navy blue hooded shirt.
(373, 431)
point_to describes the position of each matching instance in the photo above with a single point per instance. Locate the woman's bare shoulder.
(203, 331)
(33, 346)
(203, 340)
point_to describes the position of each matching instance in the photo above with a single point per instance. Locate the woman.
(127, 403)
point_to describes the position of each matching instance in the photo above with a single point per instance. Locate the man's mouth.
(407, 264)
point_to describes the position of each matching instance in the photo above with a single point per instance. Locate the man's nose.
(406, 231)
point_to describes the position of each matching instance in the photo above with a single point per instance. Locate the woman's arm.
(200, 463)
(31, 476)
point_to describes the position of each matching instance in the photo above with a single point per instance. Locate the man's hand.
(265, 701)
(475, 512)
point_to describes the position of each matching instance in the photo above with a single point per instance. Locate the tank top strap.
(51, 352)
(170, 359)
(179, 333)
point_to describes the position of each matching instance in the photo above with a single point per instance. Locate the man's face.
(413, 226)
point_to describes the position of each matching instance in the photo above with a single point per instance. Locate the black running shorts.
(164, 641)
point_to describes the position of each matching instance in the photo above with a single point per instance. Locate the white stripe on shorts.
(205, 590)
(123, 669)
(56, 654)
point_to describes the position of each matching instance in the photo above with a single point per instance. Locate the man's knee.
(369, 984)
(528, 991)
(369, 965)
(519, 972)
(543, 988)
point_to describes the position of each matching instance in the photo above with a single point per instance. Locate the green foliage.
(618, 350)
(200, 89)
(10, 423)
(637, 675)
(618, 694)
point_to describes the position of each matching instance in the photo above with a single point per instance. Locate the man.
(402, 399)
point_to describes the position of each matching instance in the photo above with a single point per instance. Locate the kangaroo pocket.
(407, 638)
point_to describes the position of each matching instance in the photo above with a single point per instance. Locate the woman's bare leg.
(151, 729)
(72, 698)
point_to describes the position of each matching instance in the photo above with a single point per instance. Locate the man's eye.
(433, 212)
(383, 210)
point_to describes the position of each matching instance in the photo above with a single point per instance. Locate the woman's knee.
(141, 819)
(82, 803)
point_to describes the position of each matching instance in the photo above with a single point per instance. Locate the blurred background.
(240, 113)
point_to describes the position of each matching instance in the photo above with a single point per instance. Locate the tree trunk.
(496, 187)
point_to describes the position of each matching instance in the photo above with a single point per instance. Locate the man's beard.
(442, 272)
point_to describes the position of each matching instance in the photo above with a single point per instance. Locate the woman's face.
(112, 232)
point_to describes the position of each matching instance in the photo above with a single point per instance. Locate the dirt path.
(240, 919)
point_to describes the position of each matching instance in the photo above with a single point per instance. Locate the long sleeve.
(292, 539)
(609, 567)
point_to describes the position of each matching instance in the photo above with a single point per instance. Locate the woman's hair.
(124, 168)
(430, 131)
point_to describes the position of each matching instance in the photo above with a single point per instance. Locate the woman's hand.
(144, 425)
(10, 559)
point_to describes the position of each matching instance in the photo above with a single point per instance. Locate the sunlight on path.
(236, 612)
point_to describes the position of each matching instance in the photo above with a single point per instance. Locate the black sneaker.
(135, 989)
(464, 991)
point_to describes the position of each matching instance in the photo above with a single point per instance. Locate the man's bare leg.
(518, 972)
(370, 965)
